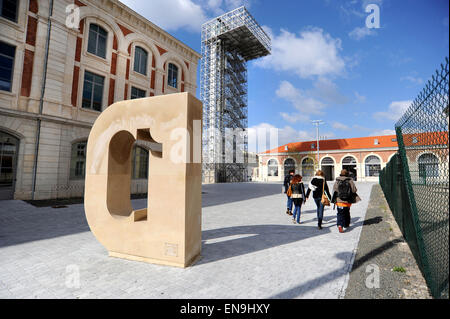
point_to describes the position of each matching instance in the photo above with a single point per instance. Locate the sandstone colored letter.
(168, 231)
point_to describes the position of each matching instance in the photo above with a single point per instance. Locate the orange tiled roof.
(339, 144)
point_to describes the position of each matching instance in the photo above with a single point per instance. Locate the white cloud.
(328, 91)
(171, 15)
(359, 33)
(286, 135)
(412, 79)
(301, 101)
(395, 111)
(309, 102)
(383, 132)
(359, 98)
(294, 117)
(365, 3)
(340, 126)
(311, 53)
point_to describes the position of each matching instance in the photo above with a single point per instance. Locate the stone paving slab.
(251, 249)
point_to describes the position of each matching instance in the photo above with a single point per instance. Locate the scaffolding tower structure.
(228, 42)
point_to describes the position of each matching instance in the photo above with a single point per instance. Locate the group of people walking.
(344, 195)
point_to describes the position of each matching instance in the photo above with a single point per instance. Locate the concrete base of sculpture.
(168, 231)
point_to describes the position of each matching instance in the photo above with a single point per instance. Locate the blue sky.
(325, 63)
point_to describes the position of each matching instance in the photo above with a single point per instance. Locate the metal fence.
(416, 180)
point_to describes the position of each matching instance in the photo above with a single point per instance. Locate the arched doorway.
(373, 166)
(327, 167)
(428, 167)
(307, 167)
(9, 146)
(349, 163)
(272, 168)
(289, 164)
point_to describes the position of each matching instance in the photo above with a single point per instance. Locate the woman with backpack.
(297, 190)
(318, 186)
(344, 195)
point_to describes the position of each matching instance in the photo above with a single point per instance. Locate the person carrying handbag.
(321, 194)
(298, 197)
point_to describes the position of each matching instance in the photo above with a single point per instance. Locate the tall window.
(428, 166)
(272, 168)
(7, 53)
(97, 40)
(137, 93)
(307, 167)
(93, 91)
(140, 60)
(78, 160)
(289, 164)
(140, 163)
(172, 77)
(373, 166)
(8, 9)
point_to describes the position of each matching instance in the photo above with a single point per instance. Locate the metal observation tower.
(228, 42)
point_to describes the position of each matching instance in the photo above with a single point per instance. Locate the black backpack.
(345, 190)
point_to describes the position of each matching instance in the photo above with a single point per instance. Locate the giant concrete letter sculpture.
(168, 231)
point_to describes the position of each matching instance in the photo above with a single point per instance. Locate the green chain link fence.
(416, 180)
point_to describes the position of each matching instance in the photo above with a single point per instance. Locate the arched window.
(289, 164)
(272, 168)
(307, 167)
(97, 40)
(349, 160)
(140, 163)
(78, 160)
(373, 165)
(172, 77)
(140, 60)
(327, 161)
(428, 165)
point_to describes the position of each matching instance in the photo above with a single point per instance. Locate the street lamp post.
(317, 123)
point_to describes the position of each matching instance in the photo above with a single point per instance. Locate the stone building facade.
(364, 157)
(56, 78)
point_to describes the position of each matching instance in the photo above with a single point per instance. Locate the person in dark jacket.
(298, 196)
(316, 185)
(343, 203)
(287, 183)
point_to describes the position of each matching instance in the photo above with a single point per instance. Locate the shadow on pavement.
(298, 291)
(27, 223)
(223, 243)
(217, 194)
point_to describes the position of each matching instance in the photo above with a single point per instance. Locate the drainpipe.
(41, 101)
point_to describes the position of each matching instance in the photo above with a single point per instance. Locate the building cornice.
(332, 151)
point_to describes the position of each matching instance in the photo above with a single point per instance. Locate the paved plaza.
(251, 249)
